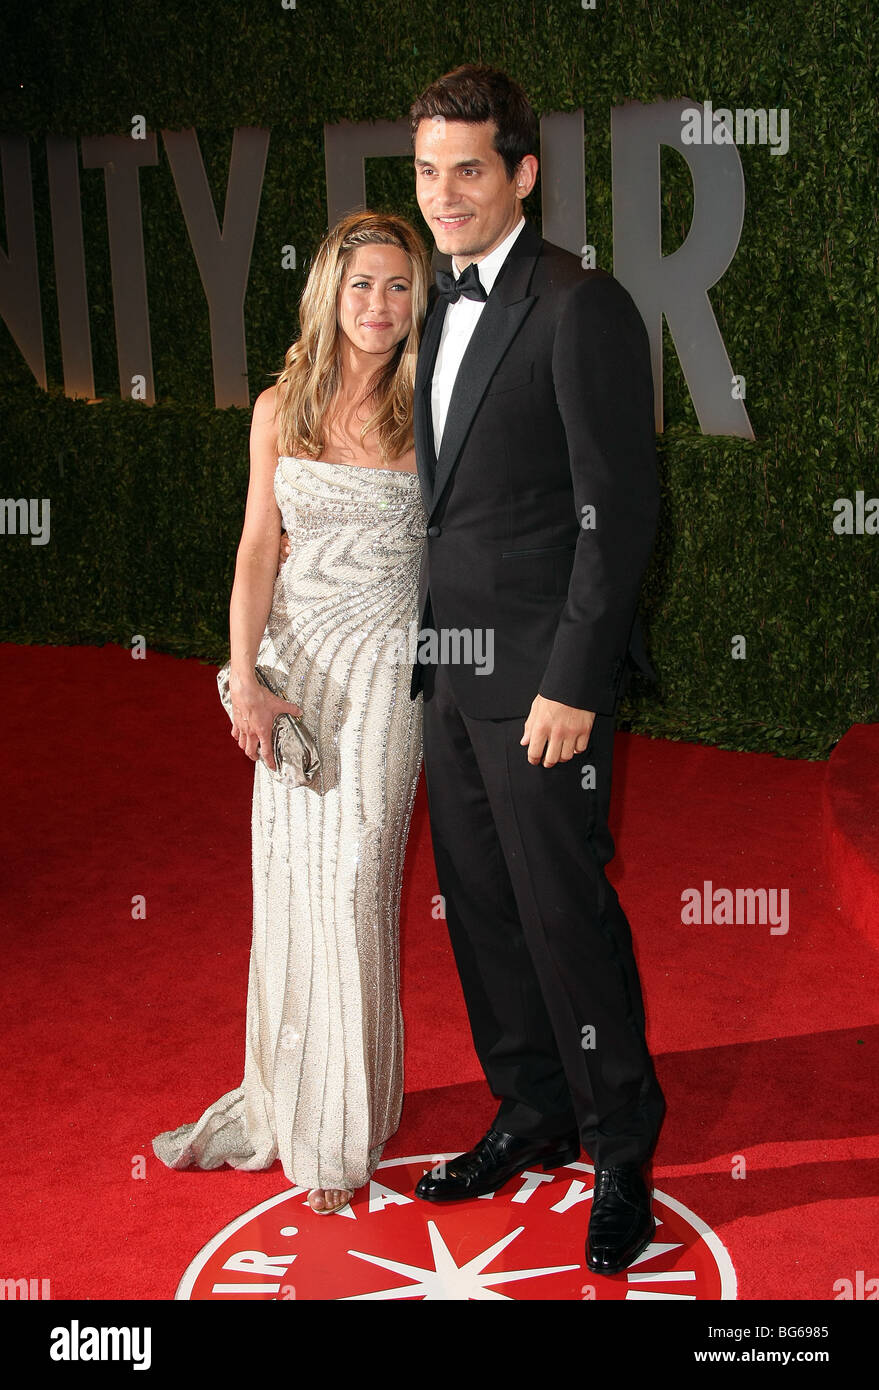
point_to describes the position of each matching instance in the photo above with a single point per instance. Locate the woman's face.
(375, 299)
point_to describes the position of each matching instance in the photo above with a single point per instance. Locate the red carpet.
(122, 782)
(851, 825)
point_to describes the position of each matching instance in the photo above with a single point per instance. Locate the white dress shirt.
(458, 325)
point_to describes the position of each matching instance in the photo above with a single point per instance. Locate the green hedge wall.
(147, 501)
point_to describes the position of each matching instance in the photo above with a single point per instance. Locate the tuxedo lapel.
(505, 310)
(425, 449)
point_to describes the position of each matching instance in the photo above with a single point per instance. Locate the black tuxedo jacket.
(551, 414)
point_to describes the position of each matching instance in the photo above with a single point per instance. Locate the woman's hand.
(283, 549)
(254, 710)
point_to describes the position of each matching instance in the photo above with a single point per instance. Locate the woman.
(332, 458)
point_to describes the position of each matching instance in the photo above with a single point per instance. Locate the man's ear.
(526, 175)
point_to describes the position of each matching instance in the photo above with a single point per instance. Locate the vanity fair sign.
(524, 1242)
(675, 286)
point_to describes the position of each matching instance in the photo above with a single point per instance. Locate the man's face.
(462, 187)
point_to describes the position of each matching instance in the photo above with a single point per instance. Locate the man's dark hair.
(476, 94)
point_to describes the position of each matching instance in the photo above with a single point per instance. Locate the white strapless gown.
(323, 1068)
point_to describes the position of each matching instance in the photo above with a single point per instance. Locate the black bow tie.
(467, 284)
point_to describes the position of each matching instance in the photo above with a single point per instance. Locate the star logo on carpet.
(523, 1242)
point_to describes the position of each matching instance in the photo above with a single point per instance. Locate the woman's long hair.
(312, 371)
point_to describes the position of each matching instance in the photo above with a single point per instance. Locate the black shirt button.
(434, 530)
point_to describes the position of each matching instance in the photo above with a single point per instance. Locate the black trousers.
(542, 945)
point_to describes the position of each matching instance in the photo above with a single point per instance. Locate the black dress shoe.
(621, 1225)
(488, 1166)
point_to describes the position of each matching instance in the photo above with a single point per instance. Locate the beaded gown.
(323, 1066)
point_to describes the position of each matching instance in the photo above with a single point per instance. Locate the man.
(536, 454)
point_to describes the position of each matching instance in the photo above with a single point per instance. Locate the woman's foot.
(323, 1200)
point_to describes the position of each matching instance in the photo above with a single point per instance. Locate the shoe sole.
(551, 1161)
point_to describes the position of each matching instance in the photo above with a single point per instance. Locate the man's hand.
(283, 549)
(561, 729)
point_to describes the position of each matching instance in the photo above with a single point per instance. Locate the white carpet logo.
(524, 1242)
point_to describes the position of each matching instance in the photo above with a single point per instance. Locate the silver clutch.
(294, 747)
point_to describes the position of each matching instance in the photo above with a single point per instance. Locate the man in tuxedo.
(535, 449)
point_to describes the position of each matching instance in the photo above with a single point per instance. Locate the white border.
(728, 1281)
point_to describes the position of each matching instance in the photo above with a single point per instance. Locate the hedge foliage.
(147, 501)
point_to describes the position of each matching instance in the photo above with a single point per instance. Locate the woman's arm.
(253, 707)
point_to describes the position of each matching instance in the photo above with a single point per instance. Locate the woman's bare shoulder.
(265, 404)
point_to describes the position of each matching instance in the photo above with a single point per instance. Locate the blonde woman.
(332, 459)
